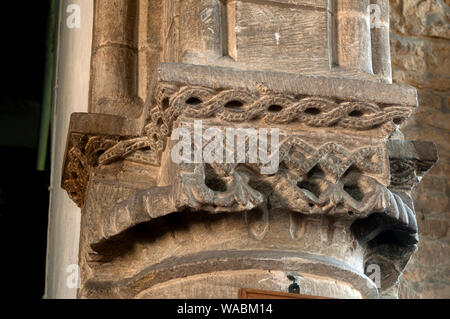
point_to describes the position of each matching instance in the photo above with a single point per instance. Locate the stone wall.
(420, 44)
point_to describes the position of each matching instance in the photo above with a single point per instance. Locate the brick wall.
(420, 43)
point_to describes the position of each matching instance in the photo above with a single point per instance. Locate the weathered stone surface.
(339, 198)
(226, 283)
(267, 34)
(421, 18)
(420, 57)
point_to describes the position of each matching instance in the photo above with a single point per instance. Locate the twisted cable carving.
(238, 106)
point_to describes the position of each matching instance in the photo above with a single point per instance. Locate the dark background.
(24, 192)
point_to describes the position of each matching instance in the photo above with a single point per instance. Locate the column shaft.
(353, 35)
(381, 52)
(114, 60)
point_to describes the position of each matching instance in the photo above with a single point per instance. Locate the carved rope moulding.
(236, 105)
(241, 106)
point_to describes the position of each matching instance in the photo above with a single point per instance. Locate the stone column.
(114, 85)
(322, 194)
(150, 42)
(353, 35)
(381, 49)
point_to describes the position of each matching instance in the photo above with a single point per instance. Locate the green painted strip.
(48, 85)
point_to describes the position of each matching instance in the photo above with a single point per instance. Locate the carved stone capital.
(335, 173)
(322, 192)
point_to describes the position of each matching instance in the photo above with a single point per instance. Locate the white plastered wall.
(71, 93)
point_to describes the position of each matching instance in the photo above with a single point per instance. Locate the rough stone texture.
(227, 283)
(338, 197)
(420, 44)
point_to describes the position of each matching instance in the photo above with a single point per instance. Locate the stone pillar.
(114, 85)
(200, 38)
(322, 192)
(353, 35)
(150, 42)
(381, 49)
